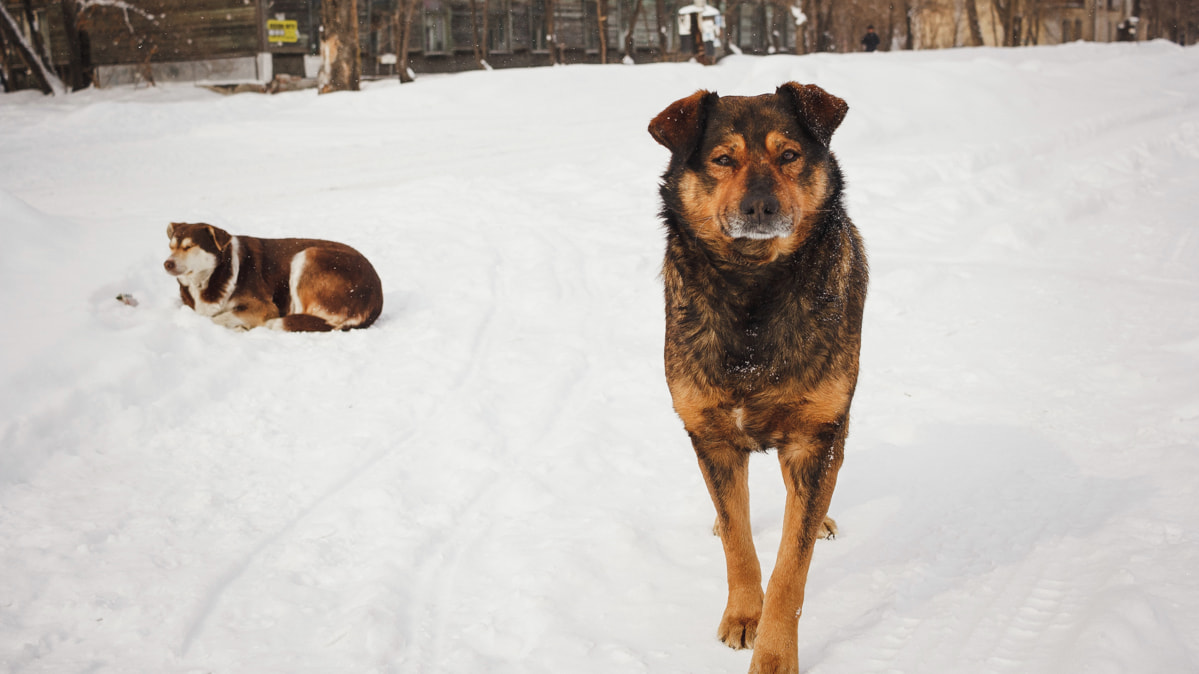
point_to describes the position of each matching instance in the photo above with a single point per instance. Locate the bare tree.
(341, 66)
(77, 75)
(474, 28)
(486, 45)
(1005, 10)
(405, 11)
(976, 31)
(551, 38)
(5, 71)
(33, 57)
(629, 45)
(663, 28)
(601, 19)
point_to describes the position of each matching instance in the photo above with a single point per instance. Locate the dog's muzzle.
(758, 217)
(172, 267)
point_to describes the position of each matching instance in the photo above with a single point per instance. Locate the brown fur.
(765, 282)
(245, 282)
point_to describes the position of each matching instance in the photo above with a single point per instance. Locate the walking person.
(870, 39)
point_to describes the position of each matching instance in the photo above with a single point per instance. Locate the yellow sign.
(278, 32)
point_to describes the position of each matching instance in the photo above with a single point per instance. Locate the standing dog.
(298, 285)
(765, 282)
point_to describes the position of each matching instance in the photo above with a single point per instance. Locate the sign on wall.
(282, 32)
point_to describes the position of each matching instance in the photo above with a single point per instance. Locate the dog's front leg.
(230, 319)
(809, 467)
(726, 470)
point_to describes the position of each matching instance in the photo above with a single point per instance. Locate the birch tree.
(341, 66)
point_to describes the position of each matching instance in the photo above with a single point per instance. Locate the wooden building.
(165, 40)
(254, 40)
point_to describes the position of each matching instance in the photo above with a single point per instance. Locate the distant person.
(870, 39)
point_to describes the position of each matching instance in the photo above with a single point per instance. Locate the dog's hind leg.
(828, 529)
(726, 471)
(299, 323)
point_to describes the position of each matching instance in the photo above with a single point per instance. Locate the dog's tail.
(304, 323)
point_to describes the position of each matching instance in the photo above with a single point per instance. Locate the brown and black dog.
(765, 282)
(298, 285)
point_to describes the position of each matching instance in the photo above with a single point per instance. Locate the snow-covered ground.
(492, 479)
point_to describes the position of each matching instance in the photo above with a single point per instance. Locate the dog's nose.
(759, 207)
(169, 265)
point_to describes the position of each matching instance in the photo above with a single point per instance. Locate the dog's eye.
(790, 156)
(723, 160)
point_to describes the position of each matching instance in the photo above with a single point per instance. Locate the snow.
(491, 479)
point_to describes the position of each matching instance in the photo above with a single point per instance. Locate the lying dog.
(298, 285)
(765, 282)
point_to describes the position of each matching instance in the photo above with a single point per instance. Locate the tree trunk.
(474, 29)
(1006, 12)
(404, 15)
(628, 38)
(551, 40)
(77, 74)
(976, 31)
(997, 13)
(601, 19)
(826, 29)
(663, 29)
(909, 41)
(35, 34)
(886, 44)
(1033, 36)
(1011, 30)
(801, 43)
(341, 65)
(486, 44)
(47, 81)
(6, 84)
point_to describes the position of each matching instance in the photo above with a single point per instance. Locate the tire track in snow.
(446, 552)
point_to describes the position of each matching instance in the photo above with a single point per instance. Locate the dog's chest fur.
(741, 329)
(212, 293)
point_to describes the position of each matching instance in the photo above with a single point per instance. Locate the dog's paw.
(773, 663)
(739, 625)
(738, 632)
(828, 529)
(228, 319)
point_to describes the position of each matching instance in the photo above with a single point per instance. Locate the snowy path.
(492, 479)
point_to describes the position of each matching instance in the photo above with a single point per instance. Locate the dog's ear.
(171, 231)
(817, 109)
(681, 125)
(220, 237)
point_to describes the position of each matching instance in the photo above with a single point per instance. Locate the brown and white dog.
(297, 285)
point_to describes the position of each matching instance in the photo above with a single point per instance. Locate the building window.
(436, 27)
(537, 34)
(43, 30)
(751, 27)
(499, 27)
